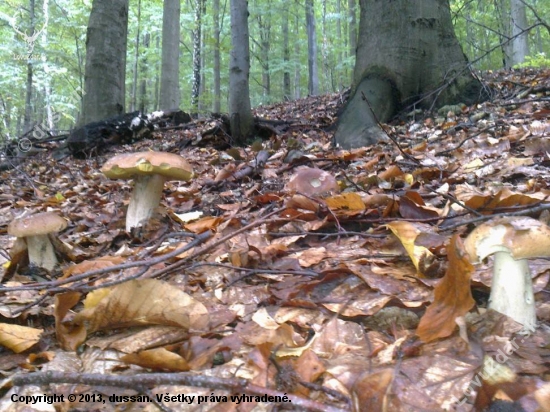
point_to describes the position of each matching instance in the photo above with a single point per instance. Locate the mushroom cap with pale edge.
(129, 165)
(312, 182)
(39, 224)
(522, 237)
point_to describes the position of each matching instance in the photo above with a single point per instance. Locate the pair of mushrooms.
(149, 170)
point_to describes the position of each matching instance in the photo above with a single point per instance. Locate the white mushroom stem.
(41, 251)
(512, 290)
(145, 199)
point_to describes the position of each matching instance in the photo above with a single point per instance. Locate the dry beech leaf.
(68, 335)
(407, 233)
(371, 389)
(141, 302)
(452, 296)
(95, 264)
(349, 201)
(18, 338)
(204, 224)
(158, 359)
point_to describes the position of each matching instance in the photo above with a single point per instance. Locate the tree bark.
(408, 54)
(106, 42)
(196, 55)
(216, 107)
(286, 55)
(518, 21)
(242, 122)
(313, 82)
(169, 78)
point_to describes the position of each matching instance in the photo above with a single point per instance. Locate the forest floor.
(247, 292)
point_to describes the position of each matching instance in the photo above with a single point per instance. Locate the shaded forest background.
(279, 62)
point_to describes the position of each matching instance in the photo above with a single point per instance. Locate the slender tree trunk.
(297, 72)
(202, 88)
(143, 70)
(313, 81)
(518, 21)
(352, 27)
(339, 55)
(133, 103)
(106, 45)
(242, 122)
(196, 55)
(324, 50)
(286, 56)
(169, 78)
(27, 125)
(264, 23)
(216, 107)
(157, 77)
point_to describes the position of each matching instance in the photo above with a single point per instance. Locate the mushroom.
(512, 240)
(34, 231)
(313, 182)
(149, 170)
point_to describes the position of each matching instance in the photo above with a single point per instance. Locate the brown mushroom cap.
(39, 224)
(313, 182)
(168, 165)
(522, 237)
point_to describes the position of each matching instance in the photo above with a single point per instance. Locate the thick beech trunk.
(106, 44)
(407, 53)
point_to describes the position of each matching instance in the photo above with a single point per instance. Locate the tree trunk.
(297, 72)
(143, 81)
(313, 82)
(106, 42)
(352, 27)
(518, 21)
(169, 77)
(264, 24)
(339, 55)
(286, 55)
(242, 122)
(407, 55)
(216, 107)
(196, 55)
(27, 124)
(133, 100)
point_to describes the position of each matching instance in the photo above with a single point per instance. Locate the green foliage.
(538, 61)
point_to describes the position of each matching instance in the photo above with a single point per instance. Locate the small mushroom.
(512, 240)
(313, 182)
(149, 170)
(34, 231)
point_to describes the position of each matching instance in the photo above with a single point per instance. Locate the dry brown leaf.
(18, 338)
(142, 302)
(370, 390)
(69, 336)
(204, 224)
(349, 201)
(95, 264)
(452, 296)
(158, 359)
(407, 234)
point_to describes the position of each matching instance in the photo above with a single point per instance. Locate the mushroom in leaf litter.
(34, 230)
(512, 240)
(149, 170)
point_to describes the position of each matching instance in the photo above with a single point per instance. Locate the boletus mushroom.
(34, 230)
(312, 182)
(149, 170)
(512, 241)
